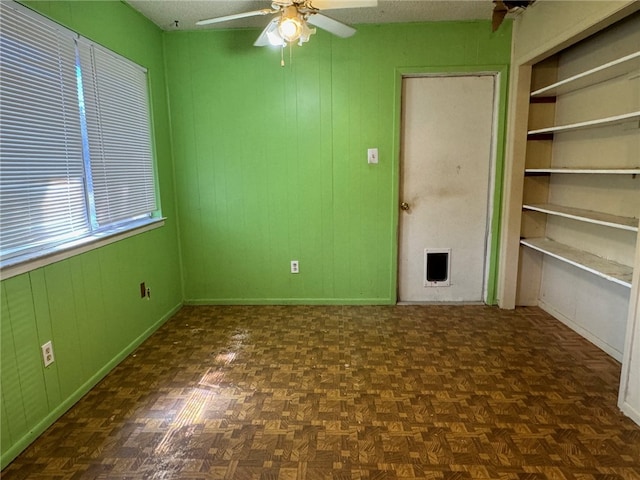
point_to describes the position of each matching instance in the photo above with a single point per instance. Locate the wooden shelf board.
(599, 122)
(603, 171)
(612, 271)
(613, 69)
(588, 216)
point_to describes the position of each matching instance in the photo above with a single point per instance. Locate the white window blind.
(42, 195)
(118, 126)
(76, 155)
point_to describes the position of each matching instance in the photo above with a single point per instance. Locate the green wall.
(270, 162)
(89, 305)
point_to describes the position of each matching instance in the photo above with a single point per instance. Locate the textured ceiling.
(164, 13)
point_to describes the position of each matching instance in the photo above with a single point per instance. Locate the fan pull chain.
(282, 54)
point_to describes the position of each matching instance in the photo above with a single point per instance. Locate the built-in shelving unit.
(601, 73)
(588, 216)
(607, 269)
(599, 171)
(581, 188)
(596, 123)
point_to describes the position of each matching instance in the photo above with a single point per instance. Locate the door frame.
(500, 74)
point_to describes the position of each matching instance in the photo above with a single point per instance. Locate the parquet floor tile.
(348, 393)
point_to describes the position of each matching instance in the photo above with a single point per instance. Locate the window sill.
(25, 263)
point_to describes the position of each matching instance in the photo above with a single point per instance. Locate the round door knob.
(404, 206)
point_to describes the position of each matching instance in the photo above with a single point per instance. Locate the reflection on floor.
(368, 393)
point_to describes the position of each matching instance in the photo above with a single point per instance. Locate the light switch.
(372, 155)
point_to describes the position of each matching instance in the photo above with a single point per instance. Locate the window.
(76, 161)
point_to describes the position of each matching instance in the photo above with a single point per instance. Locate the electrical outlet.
(47, 353)
(294, 266)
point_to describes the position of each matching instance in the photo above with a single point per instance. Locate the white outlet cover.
(47, 353)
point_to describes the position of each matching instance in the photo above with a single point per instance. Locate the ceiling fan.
(293, 17)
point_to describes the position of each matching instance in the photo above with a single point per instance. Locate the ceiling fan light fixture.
(290, 24)
(290, 29)
(295, 23)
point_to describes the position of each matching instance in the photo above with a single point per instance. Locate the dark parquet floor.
(349, 393)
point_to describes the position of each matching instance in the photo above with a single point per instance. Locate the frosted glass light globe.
(290, 29)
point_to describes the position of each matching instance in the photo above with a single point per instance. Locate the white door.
(446, 164)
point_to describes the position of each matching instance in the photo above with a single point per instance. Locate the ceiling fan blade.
(330, 25)
(263, 39)
(226, 18)
(334, 4)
